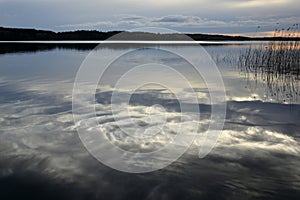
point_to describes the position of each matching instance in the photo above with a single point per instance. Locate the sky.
(206, 16)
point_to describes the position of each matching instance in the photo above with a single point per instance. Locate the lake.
(257, 155)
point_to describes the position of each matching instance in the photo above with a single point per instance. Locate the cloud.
(188, 21)
(165, 3)
(259, 3)
(216, 3)
(174, 18)
(141, 21)
(106, 15)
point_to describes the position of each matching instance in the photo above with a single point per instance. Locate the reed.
(276, 64)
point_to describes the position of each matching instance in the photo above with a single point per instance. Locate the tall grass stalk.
(276, 63)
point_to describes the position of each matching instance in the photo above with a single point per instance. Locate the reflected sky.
(62, 64)
(41, 156)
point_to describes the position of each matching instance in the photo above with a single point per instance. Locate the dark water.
(41, 156)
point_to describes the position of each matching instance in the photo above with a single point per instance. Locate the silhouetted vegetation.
(275, 64)
(16, 34)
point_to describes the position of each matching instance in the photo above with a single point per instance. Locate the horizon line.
(130, 42)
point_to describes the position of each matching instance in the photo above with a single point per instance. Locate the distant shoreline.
(211, 42)
(93, 36)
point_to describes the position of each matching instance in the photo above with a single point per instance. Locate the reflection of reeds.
(276, 65)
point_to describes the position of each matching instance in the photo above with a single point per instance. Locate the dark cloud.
(172, 19)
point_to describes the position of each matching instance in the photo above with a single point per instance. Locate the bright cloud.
(259, 3)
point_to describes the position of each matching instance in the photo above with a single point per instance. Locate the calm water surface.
(41, 156)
